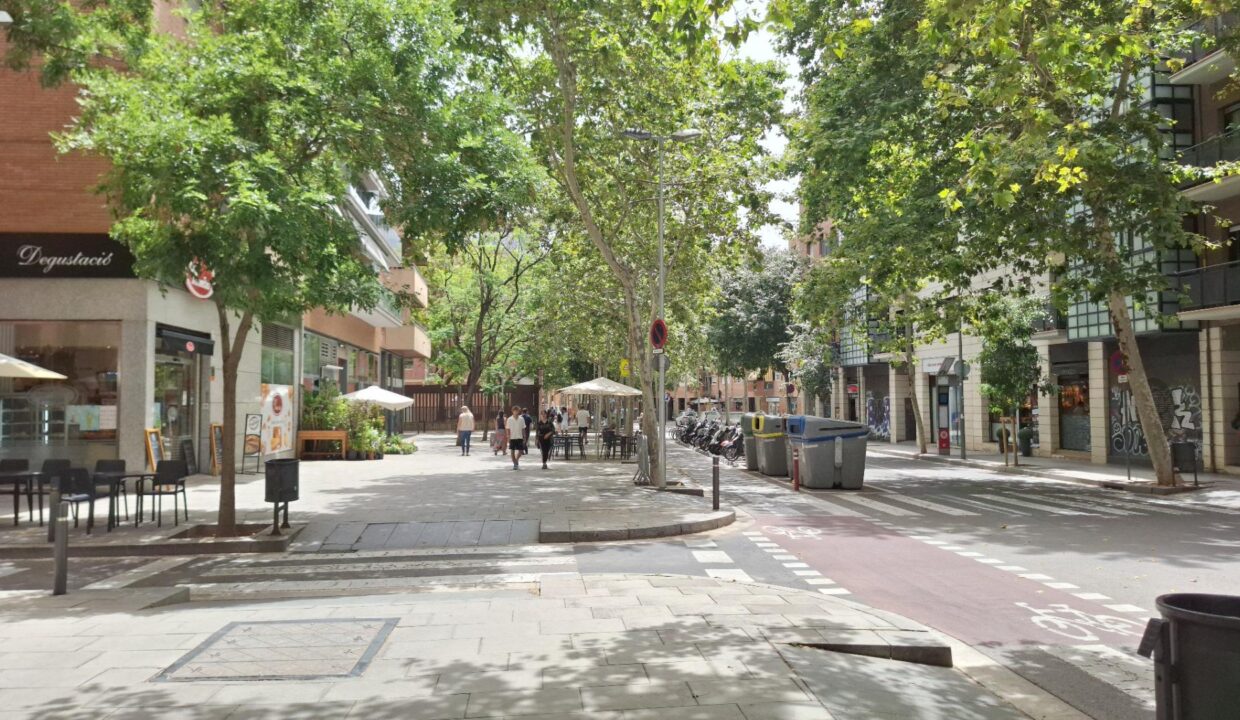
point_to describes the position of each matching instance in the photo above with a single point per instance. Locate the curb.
(1144, 488)
(161, 547)
(563, 532)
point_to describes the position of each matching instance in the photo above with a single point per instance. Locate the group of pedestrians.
(513, 431)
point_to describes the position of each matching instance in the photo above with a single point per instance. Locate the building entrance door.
(176, 399)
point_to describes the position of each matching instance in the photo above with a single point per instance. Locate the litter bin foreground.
(283, 477)
(794, 425)
(1196, 650)
(832, 453)
(751, 442)
(770, 432)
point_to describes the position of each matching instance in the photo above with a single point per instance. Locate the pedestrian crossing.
(1056, 502)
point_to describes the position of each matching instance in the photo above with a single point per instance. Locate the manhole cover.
(284, 650)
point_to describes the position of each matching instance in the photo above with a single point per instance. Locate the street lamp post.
(678, 136)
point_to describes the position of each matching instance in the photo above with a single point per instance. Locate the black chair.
(110, 474)
(610, 443)
(169, 479)
(77, 487)
(52, 469)
(14, 465)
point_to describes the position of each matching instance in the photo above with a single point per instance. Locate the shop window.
(73, 418)
(277, 365)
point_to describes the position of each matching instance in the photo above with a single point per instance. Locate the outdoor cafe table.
(18, 478)
(566, 442)
(116, 481)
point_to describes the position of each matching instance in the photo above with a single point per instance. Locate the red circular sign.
(658, 334)
(277, 404)
(189, 346)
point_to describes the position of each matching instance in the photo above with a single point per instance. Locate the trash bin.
(751, 442)
(832, 453)
(1024, 439)
(282, 480)
(1184, 458)
(1196, 651)
(769, 430)
(793, 425)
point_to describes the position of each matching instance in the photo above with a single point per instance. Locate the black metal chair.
(19, 465)
(110, 474)
(77, 486)
(169, 479)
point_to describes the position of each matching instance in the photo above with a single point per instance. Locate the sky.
(761, 45)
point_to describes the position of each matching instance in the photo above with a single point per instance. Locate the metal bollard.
(796, 469)
(59, 529)
(714, 482)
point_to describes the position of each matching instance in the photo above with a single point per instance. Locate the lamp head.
(5, 19)
(634, 134)
(686, 135)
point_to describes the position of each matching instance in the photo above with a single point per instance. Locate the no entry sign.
(658, 334)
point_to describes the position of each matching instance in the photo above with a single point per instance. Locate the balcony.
(409, 281)
(1050, 321)
(1209, 293)
(386, 313)
(1205, 62)
(1220, 148)
(409, 341)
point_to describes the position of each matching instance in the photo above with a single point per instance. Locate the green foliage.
(397, 445)
(811, 359)
(752, 312)
(1008, 361)
(364, 423)
(324, 409)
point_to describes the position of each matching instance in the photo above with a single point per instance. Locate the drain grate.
(284, 650)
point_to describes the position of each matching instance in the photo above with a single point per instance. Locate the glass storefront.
(74, 418)
(176, 399)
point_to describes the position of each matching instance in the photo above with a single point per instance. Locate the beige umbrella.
(11, 367)
(385, 399)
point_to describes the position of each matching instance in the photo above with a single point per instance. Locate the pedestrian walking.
(529, 425)
(546, 436)
(515, 425)
(583, 426)
(464, 428)
(500, 443)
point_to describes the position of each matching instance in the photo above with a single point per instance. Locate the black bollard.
(714, 482)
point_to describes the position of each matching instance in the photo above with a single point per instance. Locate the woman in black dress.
(545, 430)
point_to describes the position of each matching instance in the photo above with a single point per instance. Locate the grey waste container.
(832, 453)
(751, 442)
(772, 445)
(793, 425)
(1196, 649)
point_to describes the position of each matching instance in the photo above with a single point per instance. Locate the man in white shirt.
(583, 424)
(464, 428)
(516, 427)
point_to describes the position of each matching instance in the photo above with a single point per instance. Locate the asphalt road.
(1054, 580)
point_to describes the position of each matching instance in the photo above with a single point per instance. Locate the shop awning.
(178, 340)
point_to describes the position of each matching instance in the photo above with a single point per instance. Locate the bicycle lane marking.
(970, 600)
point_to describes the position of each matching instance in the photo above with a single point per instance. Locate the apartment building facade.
(139, 356)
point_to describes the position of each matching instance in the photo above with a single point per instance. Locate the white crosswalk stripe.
(992, 507)
(880, 506)
(1093, 507)
(1032, 505)
(928, 505)
(835, 509)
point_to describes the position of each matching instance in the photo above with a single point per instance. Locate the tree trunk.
(727, 399)
(1142, 395)
(910, 369)
(226, 523)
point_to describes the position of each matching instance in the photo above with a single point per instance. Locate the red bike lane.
(971, 601)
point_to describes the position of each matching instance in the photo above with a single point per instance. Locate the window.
(277, 364)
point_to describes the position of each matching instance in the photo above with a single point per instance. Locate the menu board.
(217, 448)
(187, 454)
(252, 445)
(154, 448)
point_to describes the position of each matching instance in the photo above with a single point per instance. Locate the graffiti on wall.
(1179, 409)
(878, 416)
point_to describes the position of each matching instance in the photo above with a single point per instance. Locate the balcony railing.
(1051, 320)
(1220, 148)
(1210, 286)
(1211, 29)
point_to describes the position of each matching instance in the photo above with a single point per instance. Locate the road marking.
(834, 591)
(1125, 608)
(993, 508)
(989, 561)
(927, 505)
(819, 581)
(970, 554)
(835, 509)
(701, 543)
(791, 565)
(1061, 586)
(712, 556)
(753, 533)
(729, 574)
(880, 506)
(1095, 507)
(1013, 568)
(806, 573)
(785, 556)
(1091, 596)
(1137, 504)
(951, 547)
(1033, 505)
(1035, 576)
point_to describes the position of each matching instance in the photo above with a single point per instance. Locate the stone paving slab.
(560, 646)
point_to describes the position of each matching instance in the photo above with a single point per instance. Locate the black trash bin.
(1196, 650)
(283, 487)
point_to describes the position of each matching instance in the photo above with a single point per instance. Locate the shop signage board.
(945, 441)
(198, 279)
(63, 255)
(191, 459)
(217, 448)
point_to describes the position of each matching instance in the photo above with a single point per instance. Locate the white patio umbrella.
(11, 367)
(601, 386)
(385, 399)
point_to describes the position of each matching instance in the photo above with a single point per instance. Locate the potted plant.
(1025, 437)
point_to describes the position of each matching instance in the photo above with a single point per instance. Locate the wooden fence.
(435, 407)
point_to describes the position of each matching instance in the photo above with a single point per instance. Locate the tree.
(1072, 159)
(584, 72)
(1008, 362)
(481, 312)
(752, 312)
(809, 355)
(231, 142)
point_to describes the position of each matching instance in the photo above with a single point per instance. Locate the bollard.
(714, 482)
(796, 469)
(59, 529)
